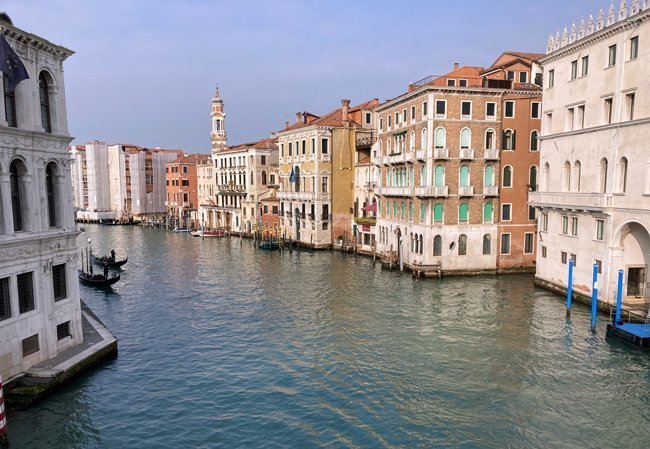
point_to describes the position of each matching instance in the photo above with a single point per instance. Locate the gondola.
(97, 280)
(108, 261)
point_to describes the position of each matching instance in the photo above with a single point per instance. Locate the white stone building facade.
(40, 312)
(594, 198)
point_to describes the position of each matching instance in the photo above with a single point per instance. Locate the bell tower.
(218, 134)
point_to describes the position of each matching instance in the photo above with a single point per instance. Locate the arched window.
(412, 178)
(403, 207)
(533, 140)
(412, 141)
(421, 245)
(10, 104)
(603, 176)
(622, 175)
(437, 245)
(490, 143)
(546, 175)
(488, 175)
(462, 245)
(410, 211)
(487, 244)
(464, 176)
(412, 242)
(566, 177)
(507, 176)
(488, 211)
(424, 138)
(463, 213)
(465, 138)
(263, 177)
(508, 142)
(423, 212)
(43, 90)
(50, 172)
(532, 179)
(577, 172)
(381, 153)
(441, 138)
(440, 176)
(423, 175)
(16, 170)
(388, 146)
(437, 213)
(253, 178)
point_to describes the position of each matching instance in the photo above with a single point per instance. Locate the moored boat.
(210, 233)
(108, 260)
(269, 246)
(181, 230)
(97, 280)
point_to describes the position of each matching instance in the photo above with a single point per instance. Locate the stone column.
(5, 200)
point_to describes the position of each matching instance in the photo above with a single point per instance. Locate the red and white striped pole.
(4, 440)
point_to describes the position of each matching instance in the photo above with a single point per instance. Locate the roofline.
(28, 38)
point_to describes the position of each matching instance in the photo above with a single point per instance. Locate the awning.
(370, 208)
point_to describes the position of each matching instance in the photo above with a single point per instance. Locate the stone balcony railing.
(465, 190)
(571, 200)
(423, 155)
(398, 158)
(491, 190)
(394, 191)
(432, 191)
(441, 153)
(491, 154)
(466, 153)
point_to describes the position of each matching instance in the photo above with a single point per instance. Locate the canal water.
(222, 345)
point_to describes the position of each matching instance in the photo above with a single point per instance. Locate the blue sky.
(145, 70)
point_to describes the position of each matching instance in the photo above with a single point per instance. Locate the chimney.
(344, 110)
(456, 65)
(304, 117)
(286, 125)
(298, 117)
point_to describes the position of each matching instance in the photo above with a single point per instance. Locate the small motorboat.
(181, 230)
(270, 246)
(108, 260)
(210, 233)
(97, 280)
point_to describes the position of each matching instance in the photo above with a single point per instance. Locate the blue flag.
(292, 176)
(11, 65)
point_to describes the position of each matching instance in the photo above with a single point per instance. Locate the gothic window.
(50, 186)
(437, 245)
(16, 170)
(462, 245)
(43, 90)
(441, 138)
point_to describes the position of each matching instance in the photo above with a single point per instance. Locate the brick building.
(182, 189)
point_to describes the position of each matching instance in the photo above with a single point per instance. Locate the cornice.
(594, 129)
(35, 41)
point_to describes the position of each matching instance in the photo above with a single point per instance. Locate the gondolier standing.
(112, 255)
(105, 270)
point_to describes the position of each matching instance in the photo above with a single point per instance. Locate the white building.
(594, 198)
(90, 181)
(40, 312)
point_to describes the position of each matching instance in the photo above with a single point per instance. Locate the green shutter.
(437, 212)
(487, 211)
(464, 175)
(489, 175)
(440, 174)
(514, 140)
(462, 212)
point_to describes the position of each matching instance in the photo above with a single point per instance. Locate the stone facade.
(595, 177)
(40, 313)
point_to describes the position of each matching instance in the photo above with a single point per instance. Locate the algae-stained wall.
(343, 148)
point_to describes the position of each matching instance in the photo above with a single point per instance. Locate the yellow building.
(316, 170)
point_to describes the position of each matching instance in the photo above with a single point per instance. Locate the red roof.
(334, 118)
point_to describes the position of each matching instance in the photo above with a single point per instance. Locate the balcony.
(393, 191)
(398, 158)
(491, 190)
(441, 153)
(491, 154)
(296, 196)
(466, 153)
(465, 190)
(571, 200)
(432, 191)
(423, 155)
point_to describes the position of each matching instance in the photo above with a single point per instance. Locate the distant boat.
(97, 280)
(108, 261)
(269, 246)
(181, 230)
(118, 222)
(212, 233)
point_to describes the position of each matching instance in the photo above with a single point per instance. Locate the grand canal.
(222, 345)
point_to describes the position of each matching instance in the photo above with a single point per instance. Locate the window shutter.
(514, 140)
(503, 140)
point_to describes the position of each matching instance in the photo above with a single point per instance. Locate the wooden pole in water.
(4, 439)
(594, 297)
(569, 289)
(374, 253)
(619, 298)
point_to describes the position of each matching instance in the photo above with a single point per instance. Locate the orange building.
(182, 189)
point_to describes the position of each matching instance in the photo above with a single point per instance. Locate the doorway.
(635, 281)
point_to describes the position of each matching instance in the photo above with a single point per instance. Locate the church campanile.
(218, 134)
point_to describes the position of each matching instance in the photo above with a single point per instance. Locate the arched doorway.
(634, 243)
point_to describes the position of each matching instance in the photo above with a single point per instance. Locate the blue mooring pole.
(619, 298)
(594, 298)
(569, 289)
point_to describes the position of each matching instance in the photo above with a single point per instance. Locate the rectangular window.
(570, 119)
(368, 118)
(505, 243)
(531, 213)
(404, 115)
(451, 82)
(574, 69)
(573, 258)
(581, 117)
(490, 110)
(58, 281)
(528, 242)
(544, 252)
(441, 108)
(634, 47)
(523, 77)
(390, 120)
(599, 265)
(509, 109)
(535, 109)
(324, 184)
(425, 110)
(10, 104)
(290, 149)
(304, 147)
(324, 146)
(381, 124)
(30, 345)
(563, 257)
(466, 109)
(510, 75)
(185, 183)
(462, 82)
(611, 56)
(600, 229)
(544, 222)
(63, 330)
(585, 65)
(5, 300)
(608, 109)
(629, 106)
(412, 112)
(548, 123)
(565, 225)
(506, 212)
(396, 118)
(25, 292)
(551, 78)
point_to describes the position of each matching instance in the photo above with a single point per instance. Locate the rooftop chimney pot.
(344, 110)
(298, 117)
(456, 65)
